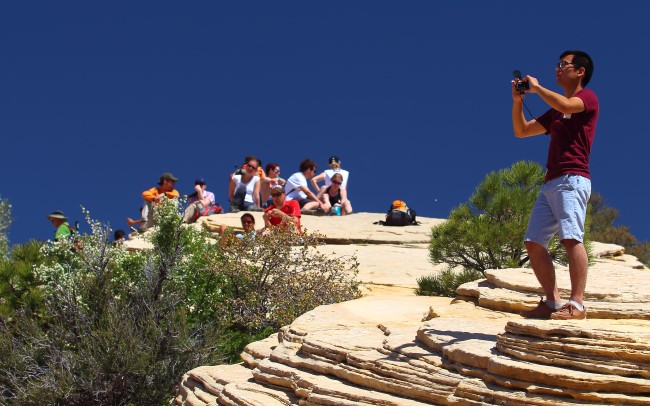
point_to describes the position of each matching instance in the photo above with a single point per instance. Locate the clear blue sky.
(98, 99)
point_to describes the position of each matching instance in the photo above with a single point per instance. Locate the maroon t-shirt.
(571, 137)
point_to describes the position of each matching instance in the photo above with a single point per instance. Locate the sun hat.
(57, 214)
(167, 176)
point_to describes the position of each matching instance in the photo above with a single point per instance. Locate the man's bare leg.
(578, 264)
(544, 270)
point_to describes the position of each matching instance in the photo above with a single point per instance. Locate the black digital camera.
(520, 85)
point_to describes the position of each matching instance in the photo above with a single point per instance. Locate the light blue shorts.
(561, 206)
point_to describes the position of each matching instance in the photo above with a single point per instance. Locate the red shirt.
(291, 207)
(571, 137)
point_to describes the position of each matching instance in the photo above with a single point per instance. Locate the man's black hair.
(119, 234)
(307, 164)
(581, 59)
(250, 216)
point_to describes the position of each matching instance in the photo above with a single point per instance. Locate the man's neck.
(572, 89)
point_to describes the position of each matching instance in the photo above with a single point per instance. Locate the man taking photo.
(561, 205)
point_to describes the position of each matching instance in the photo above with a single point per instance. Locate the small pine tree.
(445, 283)
(488, 231)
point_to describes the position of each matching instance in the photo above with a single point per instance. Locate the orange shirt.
(151, 194)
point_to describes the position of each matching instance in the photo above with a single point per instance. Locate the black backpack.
(399, 214)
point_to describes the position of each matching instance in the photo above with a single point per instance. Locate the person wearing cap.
(282, 210)
(326, 176)
(152, 197)
(197, 201)
(60, 222)
(298, 189)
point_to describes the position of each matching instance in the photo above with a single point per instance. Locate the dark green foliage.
(445, 283)
(235, 340)
(602, 229)
(19, 289)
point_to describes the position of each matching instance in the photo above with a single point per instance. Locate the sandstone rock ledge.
(473, 350)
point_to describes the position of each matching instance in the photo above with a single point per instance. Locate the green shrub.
(445, 283)
(117, 327)
(277, 276)
(114, 330)
(19, 288)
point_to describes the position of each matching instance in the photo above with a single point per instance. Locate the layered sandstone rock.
(392, 349)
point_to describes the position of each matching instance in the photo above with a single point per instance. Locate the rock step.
(385, 382)
(608, 282)
(479, 355)
(320, 389)
(609, 348)
(493, 297)
(228, 385)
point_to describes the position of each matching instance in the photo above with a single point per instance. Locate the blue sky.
(97, 100)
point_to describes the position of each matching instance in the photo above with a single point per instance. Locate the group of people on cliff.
(251, 188)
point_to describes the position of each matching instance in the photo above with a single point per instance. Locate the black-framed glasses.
(337, 182)
(276, 194)
(563, 64)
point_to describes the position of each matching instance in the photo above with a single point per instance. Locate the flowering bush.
(119, 327)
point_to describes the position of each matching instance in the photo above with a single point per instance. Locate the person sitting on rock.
(272, 178)
(242, 169)
(335, 197)
(244, 190)
(298, 189)
(197, 201)
(282, 211)
(119, 237)
(326, 176)
(152, 197)
(248, 227)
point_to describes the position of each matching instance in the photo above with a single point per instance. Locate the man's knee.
(570, 243)
(534, 248)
